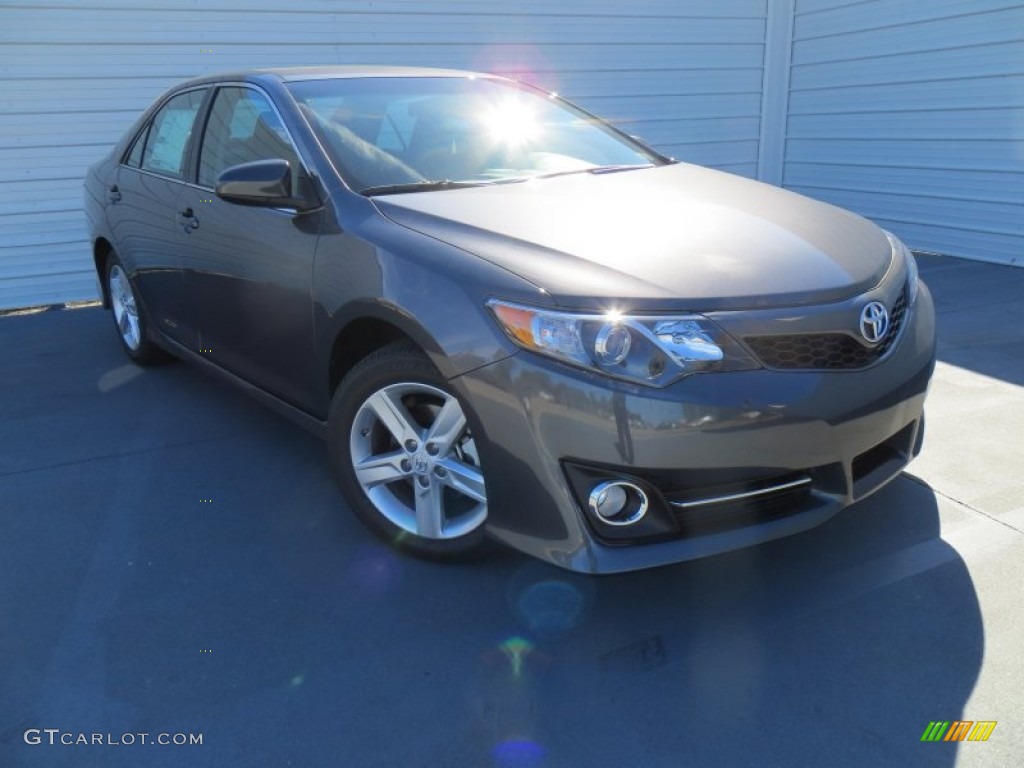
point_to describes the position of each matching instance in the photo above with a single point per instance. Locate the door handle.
(189, 220)
(114, 194)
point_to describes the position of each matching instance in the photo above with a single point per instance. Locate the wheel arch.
(366, 327)
(101, 250)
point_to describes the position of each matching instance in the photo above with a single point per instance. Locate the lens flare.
(375, 569)
(551, 608)
(516, 649)
(518, 753)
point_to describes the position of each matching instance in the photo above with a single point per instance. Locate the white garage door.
(911, 112)
(684, 74)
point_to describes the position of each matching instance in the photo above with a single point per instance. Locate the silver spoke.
(394, 416)
(447, 427)
(133, 330)
(429, 510)
(380, 468)
(464, 478)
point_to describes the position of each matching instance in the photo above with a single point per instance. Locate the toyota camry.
(511, 321)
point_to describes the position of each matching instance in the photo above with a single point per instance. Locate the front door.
(250, 269)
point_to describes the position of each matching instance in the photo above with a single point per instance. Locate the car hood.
(677, 235)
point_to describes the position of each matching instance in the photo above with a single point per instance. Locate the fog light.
(618, 503)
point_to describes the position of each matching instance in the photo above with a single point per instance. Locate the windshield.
(414, 133)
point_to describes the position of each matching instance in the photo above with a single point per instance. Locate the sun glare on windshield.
(511, 122)
(416, 134)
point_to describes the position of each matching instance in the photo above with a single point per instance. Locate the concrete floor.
(175, 558)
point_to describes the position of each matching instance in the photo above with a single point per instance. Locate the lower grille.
(830, 351)
(744, 496)
(694, 502)
(884, 460)
(723, 508)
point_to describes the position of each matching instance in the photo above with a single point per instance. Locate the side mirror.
(266, 183)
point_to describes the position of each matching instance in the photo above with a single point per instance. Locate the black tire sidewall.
(390, 365)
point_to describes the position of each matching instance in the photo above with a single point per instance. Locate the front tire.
(129, 319)
(402, 449)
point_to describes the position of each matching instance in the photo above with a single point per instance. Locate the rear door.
(250, 269)
(143, 213)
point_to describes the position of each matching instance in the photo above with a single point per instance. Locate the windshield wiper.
(594, 169)
(617, 168)
(420, 186)
(438, 184)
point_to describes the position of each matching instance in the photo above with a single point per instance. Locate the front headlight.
(647, 349)
(913, 279)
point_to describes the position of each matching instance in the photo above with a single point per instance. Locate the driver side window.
(242, 127)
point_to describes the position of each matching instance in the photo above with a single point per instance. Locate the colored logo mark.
(958, 730)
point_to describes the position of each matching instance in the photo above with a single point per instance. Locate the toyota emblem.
(874, 322)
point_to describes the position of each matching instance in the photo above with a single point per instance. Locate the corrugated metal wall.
(684, 74)
(908, 111)
(912, 113)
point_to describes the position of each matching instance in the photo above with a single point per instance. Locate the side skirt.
(297, 415)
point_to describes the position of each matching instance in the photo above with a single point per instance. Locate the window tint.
(134, 158)
(169, 133)
(242, 127)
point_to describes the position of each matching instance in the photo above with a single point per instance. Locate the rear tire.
(401, 446)
(129, 317)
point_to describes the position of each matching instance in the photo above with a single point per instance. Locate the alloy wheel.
(126, 313)
(416, 461)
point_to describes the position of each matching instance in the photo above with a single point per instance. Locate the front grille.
(836, 351)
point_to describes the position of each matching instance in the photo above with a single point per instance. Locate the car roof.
(291, 74)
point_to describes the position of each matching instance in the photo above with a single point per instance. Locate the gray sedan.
(509, 320)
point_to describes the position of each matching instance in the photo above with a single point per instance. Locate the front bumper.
(850, 432)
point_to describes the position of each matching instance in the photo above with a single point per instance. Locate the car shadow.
(837, 646)
(181, 561)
